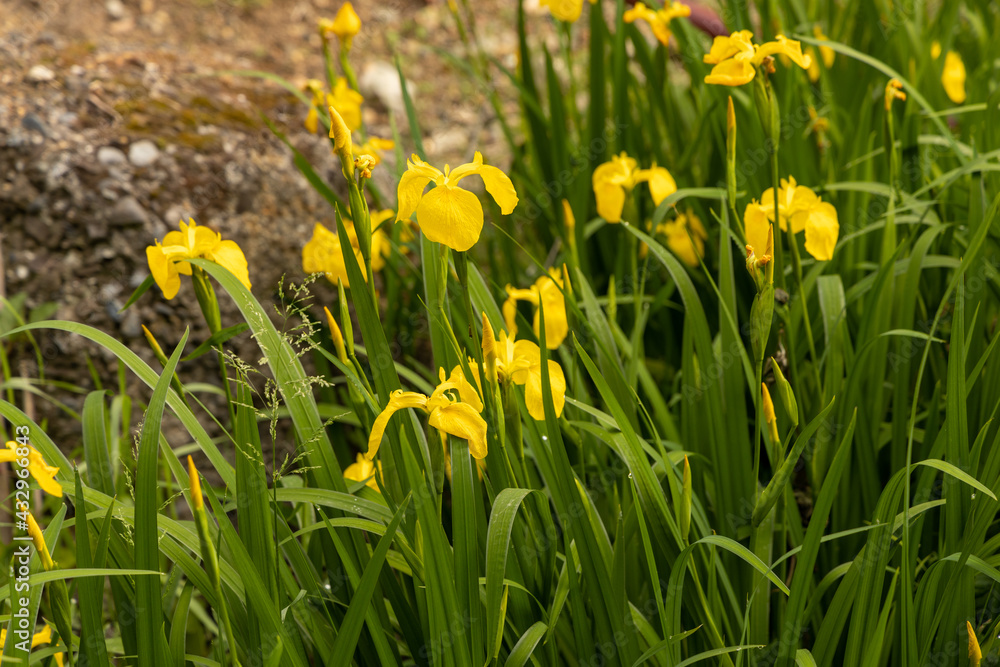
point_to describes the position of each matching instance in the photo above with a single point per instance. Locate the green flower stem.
(209, 303)
(211, 558)
(331, 75)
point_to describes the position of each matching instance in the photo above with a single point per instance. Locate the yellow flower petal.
(163, 270)
(610, 200)
(551, 296)
(462, 421)
(347, 102)
(533, 395)
(731, 72)
(411, 186)
(756, 224)
(953, 77)
(661, 183)
(564, 10)
(397, 401)
(738, 44)
(451, 216)
(782, 46)
(364, 470)
(822, 229)
(229, 256)
(497, 183)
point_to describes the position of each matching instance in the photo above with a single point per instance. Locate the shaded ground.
(114, 125)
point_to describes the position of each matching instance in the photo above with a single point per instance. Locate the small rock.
(96, 230)
(110, 156)
(127, 211)
(130, 325)
(33, 123)
(70, 118)
(40, 74)
(21, 272)
(381, 79)
(143, 153)
(176, 214)
(116, 9)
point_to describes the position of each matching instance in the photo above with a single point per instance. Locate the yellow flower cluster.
(43, 637)
(736, 57)
(168, 261)
(324, 254)
(547, 291)
(615, 179)
(449, 214)
(686, 237)
(800, 207)
(659, 19)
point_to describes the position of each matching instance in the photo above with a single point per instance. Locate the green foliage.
(864, 534)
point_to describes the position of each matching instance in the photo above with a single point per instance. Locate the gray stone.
(143, 153)
(127, 211)
(110, 156)
(130, 325)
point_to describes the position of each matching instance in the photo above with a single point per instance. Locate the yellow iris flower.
(659, 20)
(167, 260)
(613, 180)
(323, 252)
(43, 637)
(564, 10)
(685, 237)
(520, 362)
(805, 210)
(449, 214)
(546, 290)
(953, 77)
(43, 473)
(448, 414)
(363, 469)
(347, 102)
(736, 57)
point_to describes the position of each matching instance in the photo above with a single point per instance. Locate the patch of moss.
(203, 143)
